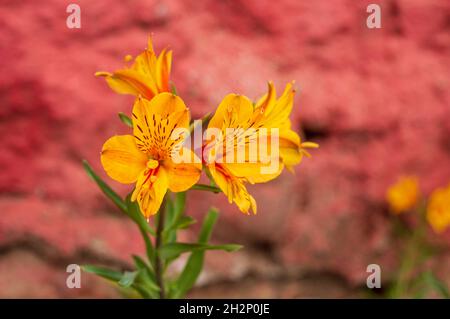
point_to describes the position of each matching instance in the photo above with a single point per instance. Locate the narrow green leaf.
(180, 203)
(144, 292)
(136, 215)
(105, 188)
(147, 272)
(184, 222)
(173, 250)
(103, 272)
(436, 284)
(145, 283)
(173, 88)
(169, 208)
(194, 264)
(175, 215)
(144, 227)
(141, 264)
(128, 278)
(209, 188)
(125, 119)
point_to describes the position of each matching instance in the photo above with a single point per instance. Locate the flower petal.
(163, 66)
(128, 81)
(122, 160)
(276, 112)
(268, 99)
(233, 188)
(290, 148)
(154, 122)
(255, 172)
(183, 176)
(166, 104)
(150, 190)
(234, 111)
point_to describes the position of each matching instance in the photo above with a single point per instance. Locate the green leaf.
(209, 188)
(436, 284)
(147, 272)
(180, 203)
(135, 214)
(194, 264)
(184, 222)
(144, 227)
(144, 292)
(173, 88)
(125, 119)
(174, 213)
(173, 250)
(141, 264)
(145, 284)
(105, 188)
(128, 278)
(169, 208)
(103, 272)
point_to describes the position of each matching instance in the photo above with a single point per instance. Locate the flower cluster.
(404, 195)
(247, 138)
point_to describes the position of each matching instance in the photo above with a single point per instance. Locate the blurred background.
(376, 100)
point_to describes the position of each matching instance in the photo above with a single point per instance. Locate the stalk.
(159, 269)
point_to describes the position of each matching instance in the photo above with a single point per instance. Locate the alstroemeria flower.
(147, 76)
(271, 112)
(438, 209)
(146, 157)
(404, 195)
(255, 123)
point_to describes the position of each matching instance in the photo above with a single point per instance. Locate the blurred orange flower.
(438, 210)
(147, 76)
(403, 195)
(145, 158)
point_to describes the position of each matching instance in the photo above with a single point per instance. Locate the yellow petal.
(254, 172)
(122, 160)
(163, 66)
(183, 176)
(309, 145)
(128, 81)
(276, 112)
(234, 111)
(267, 100)
(166, 104)
(145, 65)
(154, 123)
(290, 148)
(438, 209)
(233, 188)
(404, 194)
(150, 190)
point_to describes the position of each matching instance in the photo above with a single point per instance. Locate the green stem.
(412, 255)
(202, 187)
(159, 265)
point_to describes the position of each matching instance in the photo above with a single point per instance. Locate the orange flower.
(240, 124)
(403, 195)
(438, 210)
(147, 76)
(146, 157)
